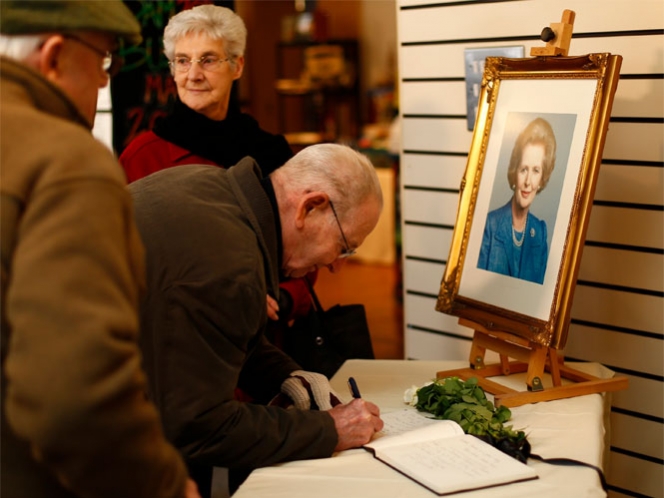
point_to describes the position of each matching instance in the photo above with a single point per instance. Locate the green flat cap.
(23, 17)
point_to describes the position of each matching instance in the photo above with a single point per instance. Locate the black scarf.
(224, 142)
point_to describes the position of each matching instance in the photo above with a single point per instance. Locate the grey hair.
(347, 176)
(19, 47)
(219, 23)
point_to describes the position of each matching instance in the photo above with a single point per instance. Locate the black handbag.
(322, 340)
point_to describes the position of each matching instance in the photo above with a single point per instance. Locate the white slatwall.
(618, 309)
(103, 127)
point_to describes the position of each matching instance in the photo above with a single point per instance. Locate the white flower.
(410, 395)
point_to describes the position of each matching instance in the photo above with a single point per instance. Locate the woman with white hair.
(205, 48)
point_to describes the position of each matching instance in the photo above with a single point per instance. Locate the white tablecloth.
(570, 428)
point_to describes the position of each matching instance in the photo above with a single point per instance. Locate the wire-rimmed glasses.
(208, 63)
(111, 63)
(347, 252)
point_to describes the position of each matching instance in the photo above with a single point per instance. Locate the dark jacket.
(211, 242)
(186, 137)
(499, 254)
(73, 394)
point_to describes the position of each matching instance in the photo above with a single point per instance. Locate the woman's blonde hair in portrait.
(538, 132)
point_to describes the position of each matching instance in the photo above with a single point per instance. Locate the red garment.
(148, 153)
(298, 290)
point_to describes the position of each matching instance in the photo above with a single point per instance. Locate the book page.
(452, 464)
(408, 426)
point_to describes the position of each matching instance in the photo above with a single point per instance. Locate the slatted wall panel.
(103, 127)
(618, 309)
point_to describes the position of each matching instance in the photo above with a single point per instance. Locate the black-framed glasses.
(111, 63)
(348, 252)
(208, 63)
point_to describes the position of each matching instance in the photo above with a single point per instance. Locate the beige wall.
(618, 307)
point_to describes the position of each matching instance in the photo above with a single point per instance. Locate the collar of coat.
(245, 180)
(26, 83)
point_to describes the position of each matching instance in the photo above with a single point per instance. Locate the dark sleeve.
(266, 368)
(204, 354)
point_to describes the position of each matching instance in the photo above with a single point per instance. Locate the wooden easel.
(532, 358)
(557, 37)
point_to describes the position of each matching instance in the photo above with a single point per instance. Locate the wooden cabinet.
(318, 91)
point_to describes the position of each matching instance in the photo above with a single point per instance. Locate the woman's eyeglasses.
(208, 63)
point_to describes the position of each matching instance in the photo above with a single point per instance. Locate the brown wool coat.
(74, 410)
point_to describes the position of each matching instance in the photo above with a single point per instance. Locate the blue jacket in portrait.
(500, 254)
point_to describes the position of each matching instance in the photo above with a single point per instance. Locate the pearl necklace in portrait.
(516, 241)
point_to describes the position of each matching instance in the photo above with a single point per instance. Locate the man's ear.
(309, 202)
(50, 55)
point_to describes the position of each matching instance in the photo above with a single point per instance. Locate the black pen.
(353, 388)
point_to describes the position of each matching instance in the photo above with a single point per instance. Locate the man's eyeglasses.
(348, 252)
(208, 63)
(111, 63)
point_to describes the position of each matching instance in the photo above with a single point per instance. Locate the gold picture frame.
(490, 279)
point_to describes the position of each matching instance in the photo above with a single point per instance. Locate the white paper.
(415, 425)
(438, 455)
(454, 463)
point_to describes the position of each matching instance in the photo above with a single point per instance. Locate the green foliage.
(466, 403)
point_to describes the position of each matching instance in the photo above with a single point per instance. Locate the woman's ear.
(239, 67)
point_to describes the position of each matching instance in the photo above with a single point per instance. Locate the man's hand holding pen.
(357, 421)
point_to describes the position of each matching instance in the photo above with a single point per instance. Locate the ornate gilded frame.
(554, 87)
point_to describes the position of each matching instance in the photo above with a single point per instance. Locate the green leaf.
(469, 399)
(465, 402)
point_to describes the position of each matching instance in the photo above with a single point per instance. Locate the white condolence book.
(439, 456)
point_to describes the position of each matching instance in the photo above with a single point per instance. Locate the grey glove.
(310, 391)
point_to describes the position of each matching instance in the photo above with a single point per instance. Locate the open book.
(439, 456)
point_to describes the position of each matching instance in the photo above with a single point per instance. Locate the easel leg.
(532, 358)
(554, 367)
(536, 365)
(477, 352)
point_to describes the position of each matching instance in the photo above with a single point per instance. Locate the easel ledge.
(532, 358)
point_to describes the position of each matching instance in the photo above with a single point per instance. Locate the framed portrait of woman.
(527, 193)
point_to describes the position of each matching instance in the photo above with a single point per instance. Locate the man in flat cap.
(75, 419)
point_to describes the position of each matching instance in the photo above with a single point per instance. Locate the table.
(572, 428)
